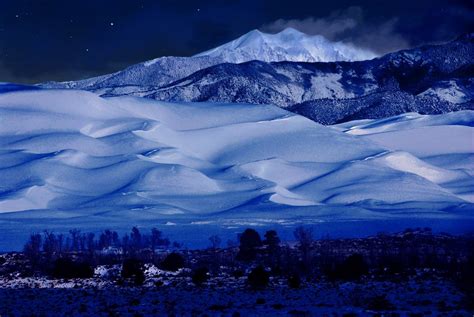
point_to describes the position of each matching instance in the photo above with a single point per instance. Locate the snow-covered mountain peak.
(287, 45)
(292, 33)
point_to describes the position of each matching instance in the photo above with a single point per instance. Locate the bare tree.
(32, 249)
(60, 243)
(75, 235)
(49, 244)
(215, 241)
(156, 240)
(304, 236)
(90, 242)
(135, 239)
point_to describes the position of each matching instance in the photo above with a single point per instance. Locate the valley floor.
(417, 296)
(412, 273)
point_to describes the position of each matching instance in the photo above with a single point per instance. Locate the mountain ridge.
(287, 45)
(164, 70)
(430, 79)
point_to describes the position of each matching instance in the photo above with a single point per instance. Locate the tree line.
(306, 258)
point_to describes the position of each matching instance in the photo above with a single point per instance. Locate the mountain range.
(289, 44)
(326, 82)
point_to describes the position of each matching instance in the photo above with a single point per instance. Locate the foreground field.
(412, 273)
(413, 297)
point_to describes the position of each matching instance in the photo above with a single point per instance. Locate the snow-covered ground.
(226, 296)
(74, 158)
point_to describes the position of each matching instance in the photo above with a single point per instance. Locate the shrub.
(200, 276)
(294, 281)
(173, 262)
(258, 278)
(353, 268)
(379, 303)
(133, 268)
(237, 273)
(66, 268)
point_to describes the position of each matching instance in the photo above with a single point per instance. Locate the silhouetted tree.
(126, 244)
(83, 242)
(133, 268)
(177, 245)
(353, 268)
(258, 278)
(215, 241)
(107, 239)
(32, 249)
(173, 262)
(75, 236)
(90, 243)
(249, 242)
(135, 240)
(271, 239)
(272, 243)
(60, 244)
(49, 244)
(200, 275)
(115, 239)
(304, 237)
(155, 239)
(67, 245)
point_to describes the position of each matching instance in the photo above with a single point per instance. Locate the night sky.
(43, 40)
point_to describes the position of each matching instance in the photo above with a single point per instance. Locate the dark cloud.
(350, 26)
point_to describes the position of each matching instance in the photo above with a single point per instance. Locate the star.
(198, 9)
(87, 50)
(111, 23)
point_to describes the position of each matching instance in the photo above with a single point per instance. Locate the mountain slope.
(430, 80)
(289, 44)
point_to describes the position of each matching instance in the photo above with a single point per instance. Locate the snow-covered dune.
(422, 135)
(65, 151)
(438, 147)
(73, 159)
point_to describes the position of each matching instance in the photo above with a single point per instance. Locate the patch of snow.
(450, 92)
(328, 86)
